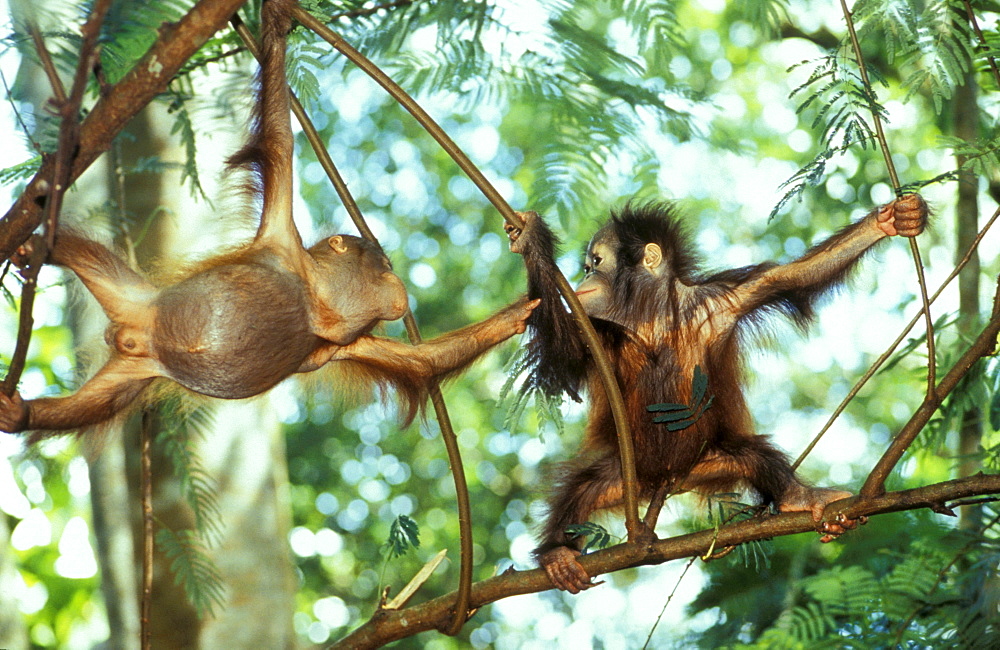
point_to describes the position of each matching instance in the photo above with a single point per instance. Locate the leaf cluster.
(404, 534)
(681, 416)
(598, 536)
(192, 566)
(193, 569)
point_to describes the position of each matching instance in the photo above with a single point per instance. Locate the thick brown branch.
(391, 625)
(149, 77)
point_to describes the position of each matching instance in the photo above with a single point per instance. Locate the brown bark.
(390, 625)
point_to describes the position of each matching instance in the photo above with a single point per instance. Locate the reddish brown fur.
(660, 319)
(247, 319)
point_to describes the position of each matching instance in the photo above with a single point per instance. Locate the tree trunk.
(966, 126)
(12, 630)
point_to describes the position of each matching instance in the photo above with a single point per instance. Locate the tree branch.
(894, 177)
(984, 345)
(69, 131)
(149, 77)
(390, 625)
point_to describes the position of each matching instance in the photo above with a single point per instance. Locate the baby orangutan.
(663, 322)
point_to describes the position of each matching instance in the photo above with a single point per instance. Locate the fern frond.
(893, 24)
(766, 15)
(21, 171)
(184, 127)
(657, 31)
(943, 54)
(193, 569)
(181, 425)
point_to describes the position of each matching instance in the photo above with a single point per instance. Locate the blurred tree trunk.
(12, 630)
(966, 126)
(247, 454)
(109, 496)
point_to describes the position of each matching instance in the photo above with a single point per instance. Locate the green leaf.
(404, 534)
(193, 569)
(681, 416)
(599, 536)
(666, 406)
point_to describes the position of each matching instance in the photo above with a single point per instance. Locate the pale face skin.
(599, 268)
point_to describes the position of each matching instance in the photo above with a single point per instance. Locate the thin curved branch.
(891, 169)
(984, 345)
(391, 625)
(26, 320)
(983, 45)
(462, 500)
(632, 522)
(899, 339)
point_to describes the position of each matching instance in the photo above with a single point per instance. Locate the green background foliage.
(737, 110)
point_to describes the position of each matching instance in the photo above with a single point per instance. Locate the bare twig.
(666, 604)
(146, 482)
(17, 114)
(899, 339)
(69, 112)
(983, 45)
(50, 69)
(891, 169)
(26, 320)
(632, 522)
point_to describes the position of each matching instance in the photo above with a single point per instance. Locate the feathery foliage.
(182, 425)
(597, 536)
(404, 534)
(767, 15)
(193, 569)
(547, 407)
(841, 106)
